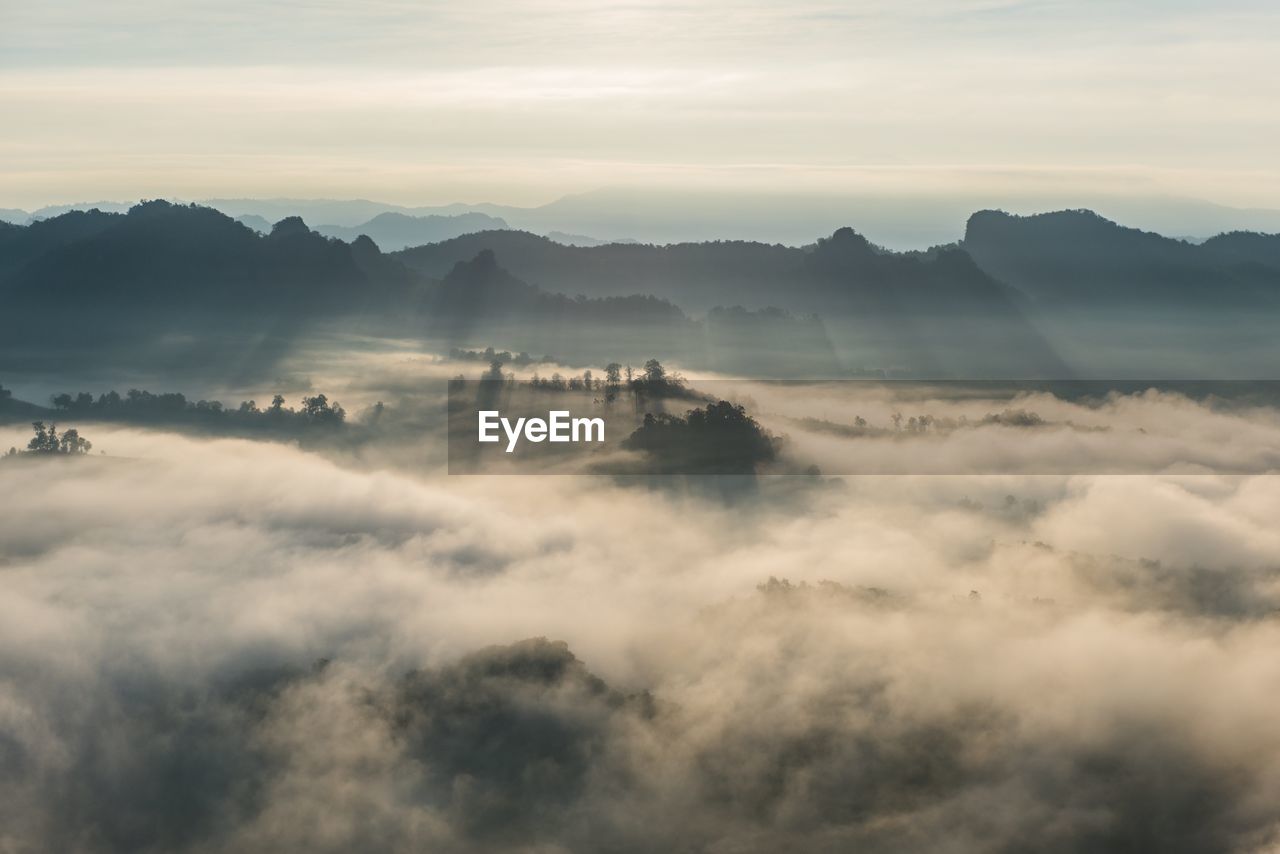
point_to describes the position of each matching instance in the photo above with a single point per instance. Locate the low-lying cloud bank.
(221, 645)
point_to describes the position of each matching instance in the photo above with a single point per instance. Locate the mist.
(219, 644)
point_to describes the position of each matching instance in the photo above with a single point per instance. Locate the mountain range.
(843, 272)
(165, 273)
(672, 216)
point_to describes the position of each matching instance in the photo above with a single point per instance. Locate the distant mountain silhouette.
(257, 223)
(1245, 247)
(393, 231)
(184, 287)
(918, 311)
(697, 275)
(1079, 257)
(674, 215)
(843, 272)
(13, 409)
(22, 245)
(184, 284)
(581, 239)
(160, 256)
(169, 282)
(480, 288)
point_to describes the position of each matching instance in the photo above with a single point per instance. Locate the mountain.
(695, 275)
(160, 255)
(481, 288)
(842, 272)
(673, 216)
(188, 288)
(13, 216)
(346, 213)
(478, 300)
(914, 312)
(1245, 247)
(12, 409)
(185, 288)
(257, 223)
(393, 231)
(1077, 257)
(20, 245)
(184, 285)
(164, 279)
(657, 215)
(581, 239)
(49, 211)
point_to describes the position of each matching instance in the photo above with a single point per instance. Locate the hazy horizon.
(899, 222)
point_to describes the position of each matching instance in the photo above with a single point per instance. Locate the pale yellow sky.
(521, 102)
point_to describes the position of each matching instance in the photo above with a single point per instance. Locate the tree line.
(173, 407)
(651, 381)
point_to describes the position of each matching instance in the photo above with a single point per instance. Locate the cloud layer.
(215, 645)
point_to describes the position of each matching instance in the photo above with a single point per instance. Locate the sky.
(524, 102)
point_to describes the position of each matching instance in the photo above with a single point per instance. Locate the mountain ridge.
(1079, 256)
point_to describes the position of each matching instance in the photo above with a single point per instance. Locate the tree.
(47, 441)
(655, 381)
(72, 443)
(612, 381)
(720, 438)
(319, 410)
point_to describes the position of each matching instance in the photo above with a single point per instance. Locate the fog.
(224, 645)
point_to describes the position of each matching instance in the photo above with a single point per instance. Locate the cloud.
(213, 645)
(415, 104)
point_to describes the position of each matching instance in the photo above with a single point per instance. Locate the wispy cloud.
(1180, 100)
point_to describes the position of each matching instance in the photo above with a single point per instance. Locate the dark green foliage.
(174, 409)
(524, 725)
(47, 441)
(488, 355)
(718, 439)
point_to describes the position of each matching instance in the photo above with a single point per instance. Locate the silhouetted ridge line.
(1079, 257)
